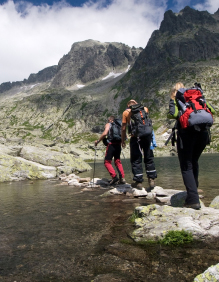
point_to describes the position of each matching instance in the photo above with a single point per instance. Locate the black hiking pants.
(137, 150)
(190, 145)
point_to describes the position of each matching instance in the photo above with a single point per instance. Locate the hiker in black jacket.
(191, 141)
(139, 147)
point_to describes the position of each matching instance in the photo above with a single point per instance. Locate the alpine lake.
(54, 232)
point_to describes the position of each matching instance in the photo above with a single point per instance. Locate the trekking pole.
(172, 133)
(127, 164)
(94, 164)
(170, 137)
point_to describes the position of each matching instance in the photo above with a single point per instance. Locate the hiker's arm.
(146, 109)
(123, 134)
(173, 109)
(104, 134)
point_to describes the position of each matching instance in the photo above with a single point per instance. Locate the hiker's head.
(111, 119)
(131, 102)
(179, 85)
(174, 90)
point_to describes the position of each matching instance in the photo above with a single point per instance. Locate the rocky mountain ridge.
(86, 62)
(185, 48)
(71, 102)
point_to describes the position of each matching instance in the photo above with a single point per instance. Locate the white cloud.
(33, 38)
(205, 5)
(210, 5)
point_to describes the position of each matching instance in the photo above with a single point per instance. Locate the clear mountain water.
(51, 232)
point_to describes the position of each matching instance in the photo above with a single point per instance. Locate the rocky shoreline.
(167, 213)
(152, 221)
(20, 162)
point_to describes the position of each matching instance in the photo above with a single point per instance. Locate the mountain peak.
(90, 60)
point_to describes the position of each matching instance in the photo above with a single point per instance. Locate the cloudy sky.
(36, 34)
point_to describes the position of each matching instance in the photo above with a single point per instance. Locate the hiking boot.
(151, 184)
(137, 185)
(122, 180)
(193, 206)
(114, 180)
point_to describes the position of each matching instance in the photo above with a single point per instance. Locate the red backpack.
(194, 112)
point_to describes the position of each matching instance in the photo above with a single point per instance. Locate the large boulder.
(211, 274)
(215, 203)
(47, 157)
(154, 221)
(16, 168)
(10, 150)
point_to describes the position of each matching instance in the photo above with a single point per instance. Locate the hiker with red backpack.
(140, 128)
(113, 149)
(194, 119)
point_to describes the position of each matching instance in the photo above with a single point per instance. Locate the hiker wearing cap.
(113, 149)
(140, 128)
(194, 118)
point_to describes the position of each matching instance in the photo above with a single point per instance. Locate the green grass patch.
(48, 134)
(177, 238)
(105, 112)
(84, 104)
(88, 137)
(156, 126)
(117, 87)
(133, 217)
(29, 126)
(70, 122)
(11, 110)
(116, 96)
(174, 238)
(13, 120)
(91, 137)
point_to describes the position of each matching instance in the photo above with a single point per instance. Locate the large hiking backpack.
(115, 131)
(194, 112)
(140, 123)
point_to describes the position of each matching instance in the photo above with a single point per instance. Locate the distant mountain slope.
(87, 61)
(91, 60)
(68, 102)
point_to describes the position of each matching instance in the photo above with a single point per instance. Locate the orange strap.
(142, 117)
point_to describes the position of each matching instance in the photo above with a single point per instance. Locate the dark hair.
(111, 117)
